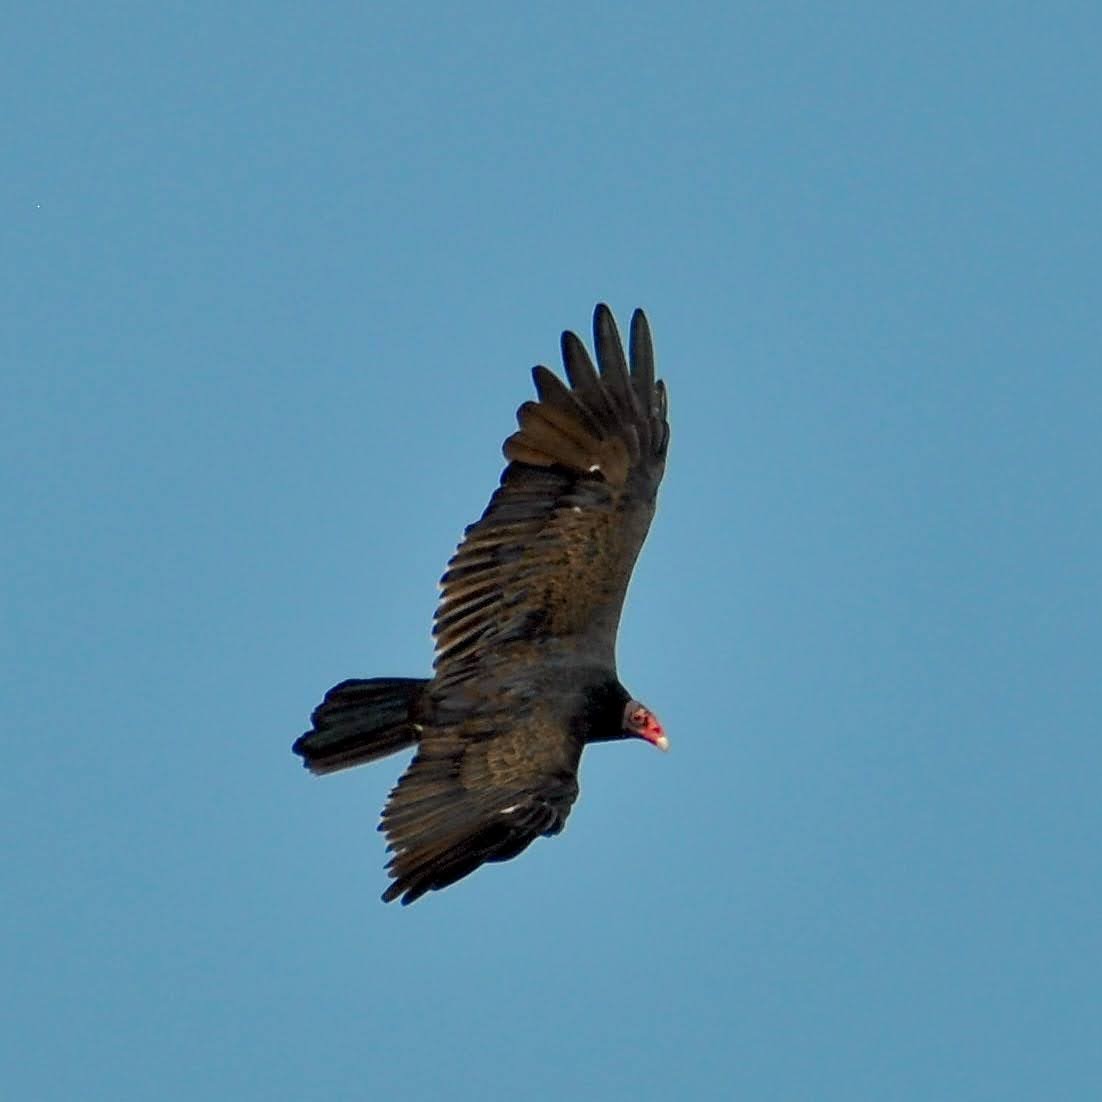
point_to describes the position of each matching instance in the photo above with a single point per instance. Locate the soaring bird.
(524, 675)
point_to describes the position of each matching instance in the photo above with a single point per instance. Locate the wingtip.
(580, 370)
(605, 333)
(641, 355)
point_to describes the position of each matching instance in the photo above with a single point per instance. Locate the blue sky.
(273, 279)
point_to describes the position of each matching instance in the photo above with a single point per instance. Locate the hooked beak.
(654, 734)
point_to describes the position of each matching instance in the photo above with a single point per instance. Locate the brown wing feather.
(480, 791)
(553, 552)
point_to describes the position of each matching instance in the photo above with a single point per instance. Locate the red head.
(641, 722)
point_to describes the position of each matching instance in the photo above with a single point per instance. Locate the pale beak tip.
(662, 743)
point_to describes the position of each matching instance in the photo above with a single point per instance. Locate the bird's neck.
(603, 711)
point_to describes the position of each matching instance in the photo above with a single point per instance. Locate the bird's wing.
(479, 791)
(552, 555)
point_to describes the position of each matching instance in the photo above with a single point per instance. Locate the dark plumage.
(525, 668)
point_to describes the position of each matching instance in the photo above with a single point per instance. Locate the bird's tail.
(359, 721)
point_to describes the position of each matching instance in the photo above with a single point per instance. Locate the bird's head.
(641, 722)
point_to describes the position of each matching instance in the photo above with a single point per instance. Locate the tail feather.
(359, 721)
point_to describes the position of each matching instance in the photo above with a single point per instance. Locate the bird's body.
(525, 670)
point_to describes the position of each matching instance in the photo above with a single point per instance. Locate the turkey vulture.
(525, 668)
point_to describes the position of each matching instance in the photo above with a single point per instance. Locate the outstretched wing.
(552, 554)
(481, 791)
